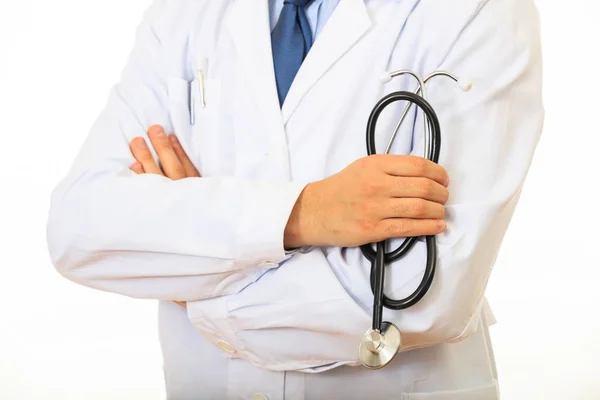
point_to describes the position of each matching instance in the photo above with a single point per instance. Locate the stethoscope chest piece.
(378, 349)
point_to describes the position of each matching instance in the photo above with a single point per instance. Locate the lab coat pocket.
(489, 392)
(195, 115)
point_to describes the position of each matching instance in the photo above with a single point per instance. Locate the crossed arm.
(391, 196)
(141, 231)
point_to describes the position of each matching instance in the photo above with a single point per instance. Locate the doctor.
(228, 173)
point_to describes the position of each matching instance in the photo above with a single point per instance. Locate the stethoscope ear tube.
(377, 283)
(424, 105)
(379, 257)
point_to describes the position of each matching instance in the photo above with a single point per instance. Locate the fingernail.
(174, 140)
(441, 224)
(160, 132)
(140, 143)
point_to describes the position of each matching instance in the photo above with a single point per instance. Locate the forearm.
(323, 301)
(147, 236)
(298, 316)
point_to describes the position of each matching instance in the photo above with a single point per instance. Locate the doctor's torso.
(223, 106)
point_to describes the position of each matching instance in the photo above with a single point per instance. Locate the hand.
(173, 159)
(175, 163)
(373, 199)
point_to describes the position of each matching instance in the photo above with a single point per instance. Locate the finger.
(142, 154)
(406, 227)
(411, 187)
(412, 208)
(137, 168)
(188, 166)
(168, 159)
(413, 166)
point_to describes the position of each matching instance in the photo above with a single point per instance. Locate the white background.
(58, 60)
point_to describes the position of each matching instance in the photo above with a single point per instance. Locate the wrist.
(300, 229)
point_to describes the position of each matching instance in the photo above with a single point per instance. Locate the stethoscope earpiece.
(385, 77)
(465, 85)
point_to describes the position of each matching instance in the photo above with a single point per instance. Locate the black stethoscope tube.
(378, 257)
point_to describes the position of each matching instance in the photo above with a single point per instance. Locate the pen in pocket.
(201, 65)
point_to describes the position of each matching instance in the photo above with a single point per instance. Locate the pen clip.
(201, 66)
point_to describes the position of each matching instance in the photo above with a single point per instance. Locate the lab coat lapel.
(248, 24)
(348, 23)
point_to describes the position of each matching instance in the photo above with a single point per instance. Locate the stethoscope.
(382, 341)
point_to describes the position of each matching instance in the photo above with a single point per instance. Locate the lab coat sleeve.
(310, 313)
(146, 236)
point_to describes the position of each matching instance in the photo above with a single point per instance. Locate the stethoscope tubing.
(378, 257)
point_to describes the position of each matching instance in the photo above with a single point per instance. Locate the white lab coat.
(260, 320)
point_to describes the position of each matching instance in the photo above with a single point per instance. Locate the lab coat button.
(226, 347)
(259, 396)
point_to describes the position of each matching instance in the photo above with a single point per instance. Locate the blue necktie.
(291, 40)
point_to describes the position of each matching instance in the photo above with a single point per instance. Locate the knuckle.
(419, 208)
(402, 184)
(426, 186)
(367, 209)
(445, 196)
(380, 160)
(439, 228)
(161, 143)
(371, 187)
(377, 162)
(364, 163)
(391, 229)
(368, 215)
(386, 229)
(441, 211)
(377, 186)
(445, 173)
(368, 224)
(181, 154)
(419, 165)
(401, 208)
(403, 227)
(145, 156)
(179, 171)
